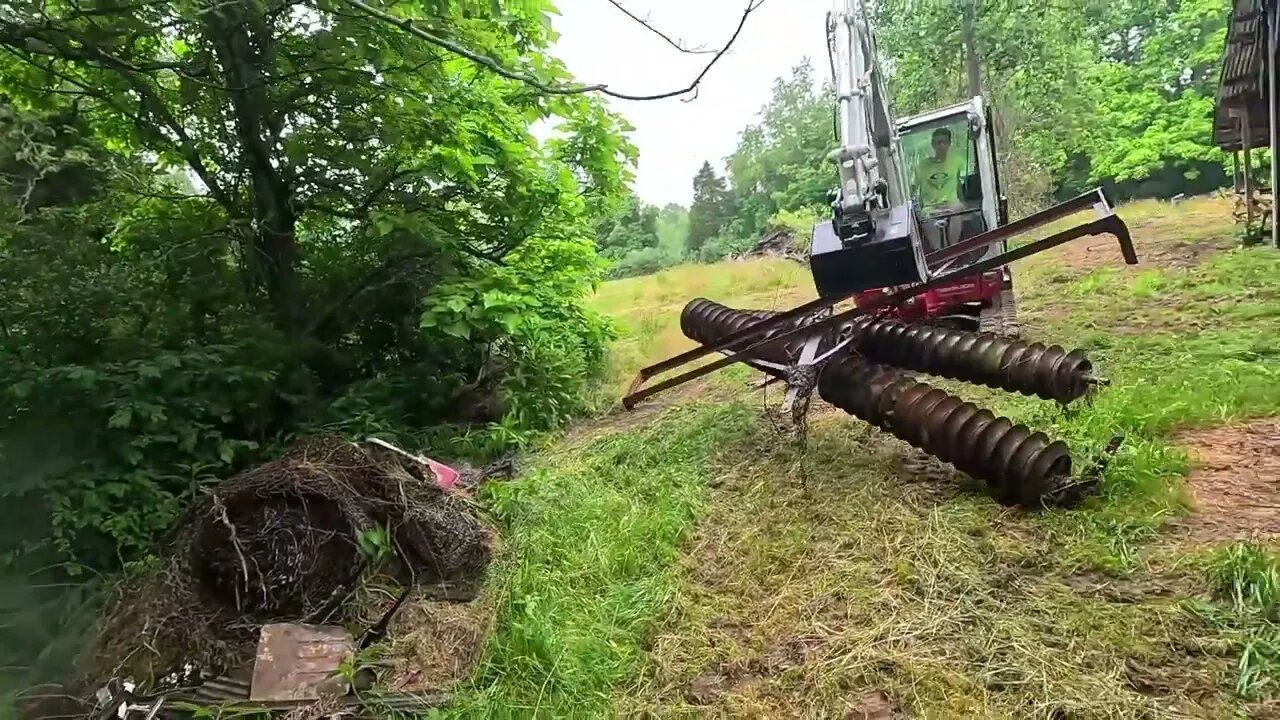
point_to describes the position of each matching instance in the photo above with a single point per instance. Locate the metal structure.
(878, 249)
(883, 166)
(1245, 114)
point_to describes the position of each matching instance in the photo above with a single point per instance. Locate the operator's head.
(941, 141)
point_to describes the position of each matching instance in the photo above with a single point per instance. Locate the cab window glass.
(939, 156)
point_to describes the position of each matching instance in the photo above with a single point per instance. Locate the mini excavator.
(919, 241)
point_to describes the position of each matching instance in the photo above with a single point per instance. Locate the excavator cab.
(951, 192)
(950, 164)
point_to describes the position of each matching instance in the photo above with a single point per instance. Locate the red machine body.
(963, 299)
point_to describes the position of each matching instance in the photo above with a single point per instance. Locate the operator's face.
(940, 146)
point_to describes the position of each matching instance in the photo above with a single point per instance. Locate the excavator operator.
(938, 183)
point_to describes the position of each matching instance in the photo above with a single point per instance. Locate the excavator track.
(1002, 317)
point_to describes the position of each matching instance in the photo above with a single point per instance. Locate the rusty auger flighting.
(863, 374)
(918, 239)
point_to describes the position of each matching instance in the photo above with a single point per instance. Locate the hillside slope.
(689, 560)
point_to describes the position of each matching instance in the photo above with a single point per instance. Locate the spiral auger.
(1020, 466)
(865, 379)
(1049, 372)
(706, 321)
(703, 319)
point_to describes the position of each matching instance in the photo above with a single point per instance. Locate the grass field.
(688, 560)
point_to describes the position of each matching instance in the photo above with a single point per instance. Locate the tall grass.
(590, 565)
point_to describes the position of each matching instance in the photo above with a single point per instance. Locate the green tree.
(634, 226)
(781, 162)
(375, 241)
(711, 206)
(1155, 86)
(639, 238)
(673, 229)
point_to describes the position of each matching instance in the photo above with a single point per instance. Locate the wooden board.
(299, 662)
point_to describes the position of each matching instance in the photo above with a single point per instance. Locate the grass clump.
(1249, 577)
(1245, 579)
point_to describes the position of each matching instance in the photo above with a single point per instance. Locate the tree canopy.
(781, 160)
(711, 207)
(1112, 93)
(227, 223)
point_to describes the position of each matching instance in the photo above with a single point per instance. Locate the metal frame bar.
(1021, 225)
(1048, 215)
(1111, 224)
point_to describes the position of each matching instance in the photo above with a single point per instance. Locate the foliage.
(634, 226)
(1155, 93)
(1111, 93)
(723, 246)
(1246, 584)
(220, 227)
(642, 239)
(673, 228)
(799, 223)
(781, 162)
(711, 208)
(645, 261)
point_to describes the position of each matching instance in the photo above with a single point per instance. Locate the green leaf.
(121, 417)
(83, 375)
(458, 329)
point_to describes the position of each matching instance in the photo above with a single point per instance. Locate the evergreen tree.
(711, 206)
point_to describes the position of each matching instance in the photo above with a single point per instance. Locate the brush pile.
(780, 242)
(289, 541)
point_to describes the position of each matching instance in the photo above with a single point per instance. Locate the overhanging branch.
(666, 38)
(16, 40)
(493, 65)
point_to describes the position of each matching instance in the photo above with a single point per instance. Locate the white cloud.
(600, 44)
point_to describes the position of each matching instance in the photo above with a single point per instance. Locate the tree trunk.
(243, 57)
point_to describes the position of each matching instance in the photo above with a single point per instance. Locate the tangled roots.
(282, 555)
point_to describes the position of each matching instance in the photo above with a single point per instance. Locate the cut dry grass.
(702, 565)
(647, 309)
(861, 579)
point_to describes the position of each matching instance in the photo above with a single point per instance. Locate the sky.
(599, 44)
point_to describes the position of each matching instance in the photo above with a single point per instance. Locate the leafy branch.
(407, 25)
